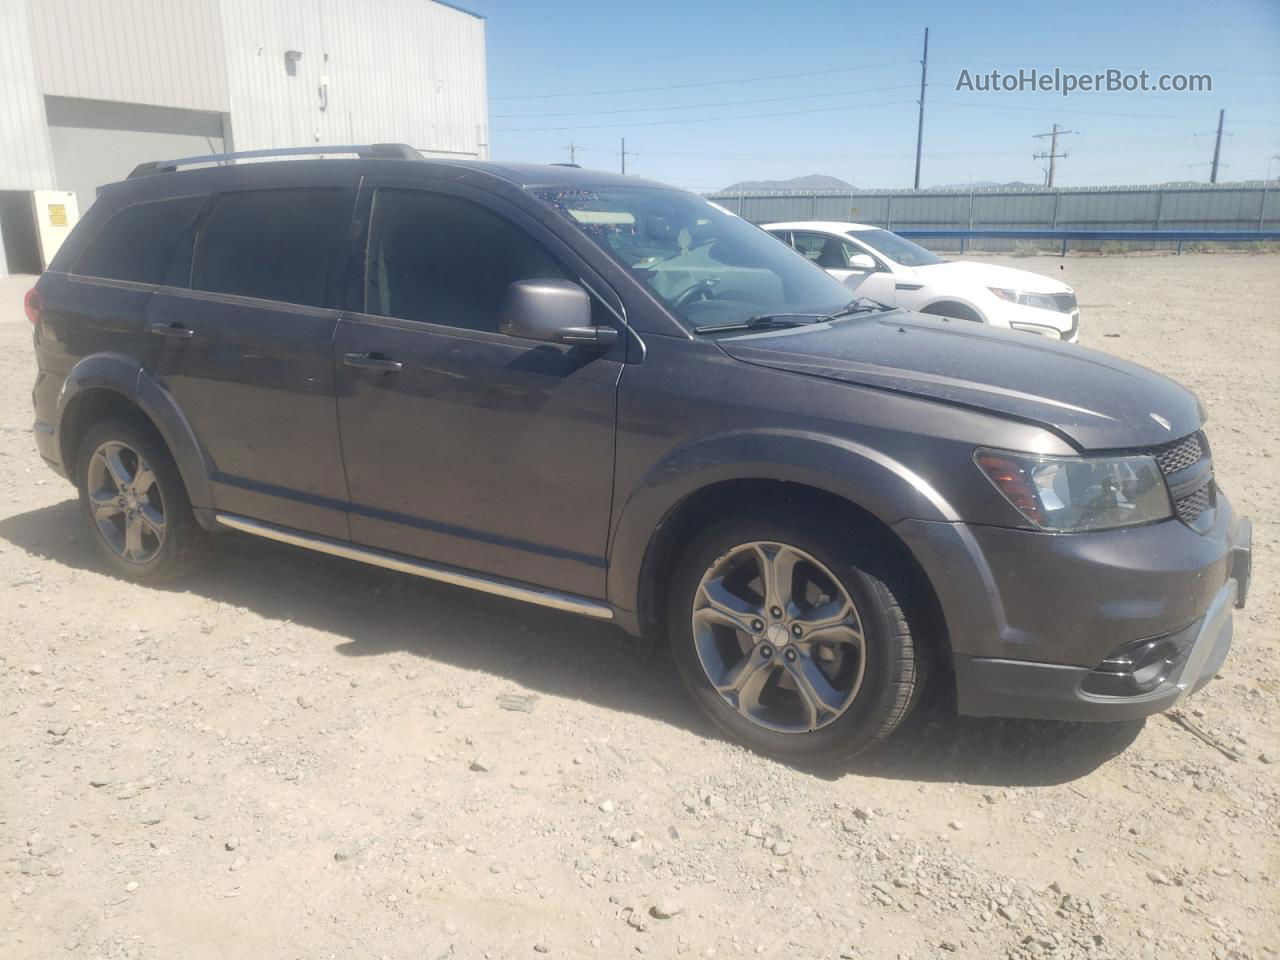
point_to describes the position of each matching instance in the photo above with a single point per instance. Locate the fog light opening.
(1137, 668)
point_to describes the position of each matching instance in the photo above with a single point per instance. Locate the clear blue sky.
(555, 68)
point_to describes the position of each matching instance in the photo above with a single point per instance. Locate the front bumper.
(1031, 615)
(1034, 320)
(1048, 691)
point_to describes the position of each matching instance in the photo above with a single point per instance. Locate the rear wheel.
(792, 637)
(134, 500)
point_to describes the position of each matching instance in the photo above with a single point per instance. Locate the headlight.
(1036, 328)
(1071, 494)
(1021, 297)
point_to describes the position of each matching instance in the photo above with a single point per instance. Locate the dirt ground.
(291, 756)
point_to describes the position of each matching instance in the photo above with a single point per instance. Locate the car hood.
(990, 275)
(1094, 400)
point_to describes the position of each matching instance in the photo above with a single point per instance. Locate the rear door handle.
(172, 329)
(371, 361)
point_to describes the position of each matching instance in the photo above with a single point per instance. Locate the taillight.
(33, 303)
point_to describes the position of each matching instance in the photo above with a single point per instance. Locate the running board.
(391, 561)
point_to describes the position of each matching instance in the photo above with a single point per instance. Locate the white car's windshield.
(710, 267)
(896, 248)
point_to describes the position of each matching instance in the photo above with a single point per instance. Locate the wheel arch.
(105, 384)
(682, 494)
(965, 310)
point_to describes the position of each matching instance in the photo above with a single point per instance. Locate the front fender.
(859, 474)
(125, 376)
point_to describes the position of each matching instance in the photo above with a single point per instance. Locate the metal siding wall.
(409, 71)
(1227, 207)
(26, 160)
(160, 52)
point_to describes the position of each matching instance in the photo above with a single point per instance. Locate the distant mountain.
(813, 182)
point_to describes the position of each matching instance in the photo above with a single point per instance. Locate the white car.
(885, 267)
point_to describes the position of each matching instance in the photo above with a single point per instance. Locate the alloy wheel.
(126, 502)
(779, 637)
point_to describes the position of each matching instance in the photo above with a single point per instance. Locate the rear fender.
(124, 376)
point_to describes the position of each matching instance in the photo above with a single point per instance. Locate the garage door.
(96, 142)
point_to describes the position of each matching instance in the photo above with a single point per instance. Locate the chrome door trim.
(568, 602)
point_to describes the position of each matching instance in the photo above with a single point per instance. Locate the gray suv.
(617, 399)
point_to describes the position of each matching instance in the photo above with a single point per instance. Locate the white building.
(90, 88)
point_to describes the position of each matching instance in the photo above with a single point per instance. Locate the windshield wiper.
(763, 320)
(859, 305)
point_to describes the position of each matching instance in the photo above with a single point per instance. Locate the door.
(246, 350)
(463, 445)
(834, 254)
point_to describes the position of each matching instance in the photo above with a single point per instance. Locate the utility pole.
(924, 70)
(1217, 148)
(573, 152)
(624, 156)
(1053, 153)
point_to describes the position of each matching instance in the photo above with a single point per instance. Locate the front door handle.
(172, 329)
(371, 361)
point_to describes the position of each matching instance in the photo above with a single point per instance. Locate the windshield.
(710, 267)
(896, 248)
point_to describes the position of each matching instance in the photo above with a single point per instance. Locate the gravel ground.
(295, 756)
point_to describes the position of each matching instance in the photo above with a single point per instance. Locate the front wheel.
(792, 636)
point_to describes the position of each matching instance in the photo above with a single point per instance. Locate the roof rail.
(387, 151)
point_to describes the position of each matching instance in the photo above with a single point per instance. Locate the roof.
(380, 157)
(830, 226)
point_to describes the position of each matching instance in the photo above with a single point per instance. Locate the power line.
(878, 44)
(703, 83)
(694, 106)
(1093, 113)
(854, 155)
(1081, 68)
(737, 116)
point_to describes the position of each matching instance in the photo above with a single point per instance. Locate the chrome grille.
(1193, 505)
(1179, 455)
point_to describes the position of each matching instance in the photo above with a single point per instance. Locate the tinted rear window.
(272, 244)
(137, 242)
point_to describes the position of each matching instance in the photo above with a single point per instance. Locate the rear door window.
(137, 242)
(273, 244)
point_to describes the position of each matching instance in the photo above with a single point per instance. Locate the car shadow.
(377, 612)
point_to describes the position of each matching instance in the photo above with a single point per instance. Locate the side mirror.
(553, 311)
(862, 261)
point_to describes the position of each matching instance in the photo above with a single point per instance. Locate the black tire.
(879, 585)
(184, 542)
